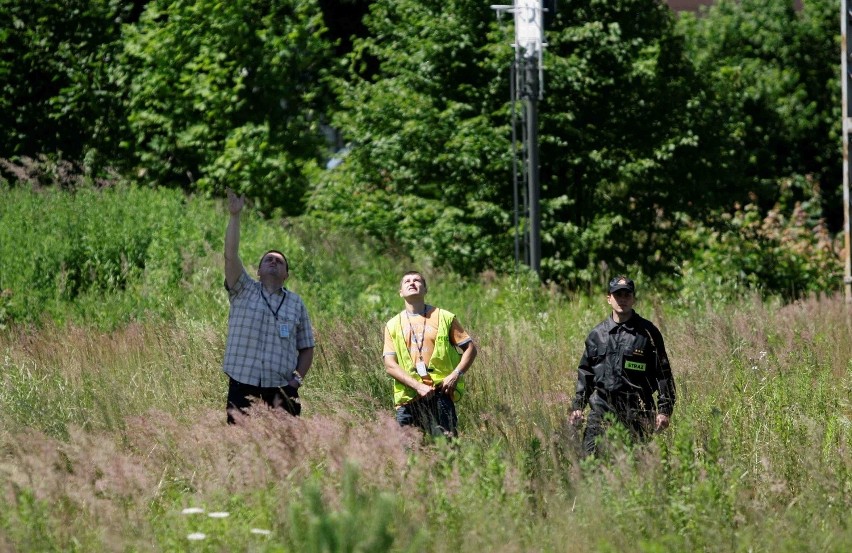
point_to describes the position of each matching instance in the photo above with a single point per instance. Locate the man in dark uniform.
(624, 371)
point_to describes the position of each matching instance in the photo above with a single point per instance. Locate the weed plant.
(112, 418)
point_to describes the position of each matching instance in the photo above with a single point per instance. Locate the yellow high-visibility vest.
(444, 358)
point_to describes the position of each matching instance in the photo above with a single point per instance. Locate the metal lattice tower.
(526, 87)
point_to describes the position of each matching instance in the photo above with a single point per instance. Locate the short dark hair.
(418, 273)
(286, 263)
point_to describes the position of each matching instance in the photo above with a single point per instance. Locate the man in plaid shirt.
(270, 343)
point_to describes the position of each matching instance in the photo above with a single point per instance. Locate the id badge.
(421, 368)
(283, 330)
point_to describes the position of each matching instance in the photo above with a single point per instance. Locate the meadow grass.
(111, 426)
(108, 436)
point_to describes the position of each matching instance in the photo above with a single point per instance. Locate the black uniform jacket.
(626, 360)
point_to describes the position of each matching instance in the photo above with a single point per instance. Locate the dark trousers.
(626, 410)
(285, 397)
(434, 415)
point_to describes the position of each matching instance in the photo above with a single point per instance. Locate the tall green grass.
(112, 420)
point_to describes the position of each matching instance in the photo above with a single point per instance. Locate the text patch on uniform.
(634, 365)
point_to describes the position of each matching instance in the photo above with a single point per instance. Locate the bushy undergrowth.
(786, 250)
(112, 424)
(118, 253)
(104, 254)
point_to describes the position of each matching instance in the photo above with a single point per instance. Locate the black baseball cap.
(621, 282)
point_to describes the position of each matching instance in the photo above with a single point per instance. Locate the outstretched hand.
(235, 203)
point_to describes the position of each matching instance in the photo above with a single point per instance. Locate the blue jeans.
(434, 415)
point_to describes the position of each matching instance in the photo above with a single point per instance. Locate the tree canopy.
(656, 132)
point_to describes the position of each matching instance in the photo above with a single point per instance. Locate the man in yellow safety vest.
(421, 353)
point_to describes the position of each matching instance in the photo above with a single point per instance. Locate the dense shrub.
(111, 251)
(227, 94)
(785, 250)
(87, 247)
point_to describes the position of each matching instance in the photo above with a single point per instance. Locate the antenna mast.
(527, 86)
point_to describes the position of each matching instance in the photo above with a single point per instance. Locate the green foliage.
(622, 121)
(55, 95)
(125, 252)
(362, 522)
(227, 94)
(785, 250)
(651, 127)
(424, 174)
(648, 125)
(625, 116)
(773, 74)
(29, 524)
(108, 435)
(116, 246)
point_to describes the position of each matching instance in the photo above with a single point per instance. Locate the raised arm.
(233, 263)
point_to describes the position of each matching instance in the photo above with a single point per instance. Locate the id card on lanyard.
(420, 364)
(421, 368)
(283, 328)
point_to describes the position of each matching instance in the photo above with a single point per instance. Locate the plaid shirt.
(256, 353)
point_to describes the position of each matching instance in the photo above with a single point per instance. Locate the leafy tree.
(773, 72)
(424, 110)
(626, 141)
(430, 166)
(54, 92)
(227, 94)
(647, 128)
